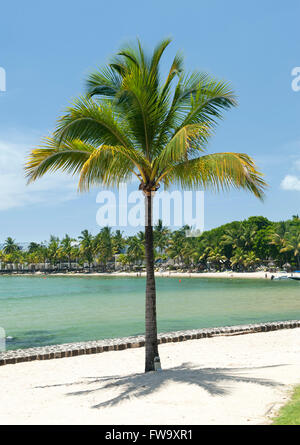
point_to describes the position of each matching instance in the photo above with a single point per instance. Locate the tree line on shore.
(252, 244)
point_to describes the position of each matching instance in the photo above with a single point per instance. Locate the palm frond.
(184, 144)
(208, 101)
(103, 82)
(157, 54)
(93, 124)
(218, 171)
(105, 166)
(52, 156)
(181, 103)
(176, 69)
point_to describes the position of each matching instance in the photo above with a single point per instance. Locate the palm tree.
(103, 247)
(118, 242)
(33, 247)
(66, 248)
(238, 259)
(292, 244)
(43, 252)
(87, 246)
(176, 244)
(242, 238)
(132, 124)
(161, 236)
(188, 250)
(136, 249)
(217, 257)
(124, 260)
(278, 239)
(10, 246)
(251, 260)
(53, 250)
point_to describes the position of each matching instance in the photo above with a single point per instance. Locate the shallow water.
(38, 311)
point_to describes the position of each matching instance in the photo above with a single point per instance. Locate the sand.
(174, 274)
(221, 380)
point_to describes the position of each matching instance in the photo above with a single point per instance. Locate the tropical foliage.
(241, 246)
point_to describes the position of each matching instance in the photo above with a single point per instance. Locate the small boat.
(282, 277)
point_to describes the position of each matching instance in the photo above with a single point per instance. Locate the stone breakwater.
(118, 344)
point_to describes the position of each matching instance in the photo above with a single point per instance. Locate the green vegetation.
(290, 413)
(134, 123)
(246, 245)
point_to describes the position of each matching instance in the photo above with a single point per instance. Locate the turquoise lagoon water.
(38, 311)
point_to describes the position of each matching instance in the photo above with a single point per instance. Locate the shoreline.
(243, 380)
(118, 344)
(168, 274)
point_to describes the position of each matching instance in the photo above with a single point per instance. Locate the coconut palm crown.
(132, 123)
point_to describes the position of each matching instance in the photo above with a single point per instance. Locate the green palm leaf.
(218, 171)
(70, 157)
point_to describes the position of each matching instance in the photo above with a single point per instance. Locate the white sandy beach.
(174, 274)
(227, 274)
(220, 380)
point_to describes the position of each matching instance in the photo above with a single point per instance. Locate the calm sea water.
(39, 311)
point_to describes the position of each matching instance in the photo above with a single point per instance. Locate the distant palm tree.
(66, 248)
(10, 246)
(87, 246)
(136, 248)
(278, 239)
(238, 259)
(103, 248)
(53, 250)
(156, 131)
(176, 244)
(217, 257)
(161, 236)
(33, 247)
(118, 242)
(251, 260)
(292, 244)
(242, 238)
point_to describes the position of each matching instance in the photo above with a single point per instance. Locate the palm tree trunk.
(150, 316)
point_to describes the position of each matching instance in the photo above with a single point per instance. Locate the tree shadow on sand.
(213, 380)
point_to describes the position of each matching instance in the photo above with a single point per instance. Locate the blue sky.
(47, 49)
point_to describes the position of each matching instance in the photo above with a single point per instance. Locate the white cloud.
(290, 182)
(13, 189)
